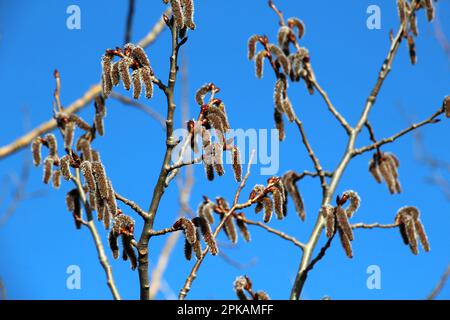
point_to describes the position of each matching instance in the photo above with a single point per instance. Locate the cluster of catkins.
(408, 20)
(336, 219)
(287, 65)
(222, 208)
(131, 57)
(192, 230)
(213, 116)
(276, 203)
(411, 228)
(183, 13)
(243, 284)
(123, 227)
(384, 165)
(97, 185)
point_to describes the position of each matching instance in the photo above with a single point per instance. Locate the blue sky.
(39, 242)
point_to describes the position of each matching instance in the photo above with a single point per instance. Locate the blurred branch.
(152, 113)
(440, 284)
(129, 23)
(77, 105)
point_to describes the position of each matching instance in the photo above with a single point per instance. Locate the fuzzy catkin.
(138, 53)
(100, 179)
(146, 77)
(446, 106)
(202, 92)
(124, 71)
(83, 125)
(48, 169)
(113, 244)
(252, 41)
(236, 163)
(188, 227)
(86, 170)
(207, 234)
(137, 86)
(52, 144)
(65, 167)
(36, 150)
(188, 10)
(115, 73)
(69, 132)
(298, 24)
(259, 63)
(56, 179)
(177, 13)
(343, 224)
(106, 75)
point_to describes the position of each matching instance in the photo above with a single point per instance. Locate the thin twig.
(132, 205)
(440, 285)
(274, 231)
(129, 23)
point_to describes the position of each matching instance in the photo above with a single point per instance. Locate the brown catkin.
(207, 234)
(202, 92)
(113, 245)
(278, 202)
(413, 24)
(86, 170)
(328, 213)
(106, 74)
(48, 169)
(205, 211)
(36, 148)
(283, 38)
(345, 242)
(291, 188)
(95, 155)
(188, 8)
(129, 251)
(111, 200)
(285, 64)
(100, 179)
(137, 86)
(218, 159)
(296, 23)
(197, 246)
(65, 167)
(52, 145)
(261, 295)
(70, 200)
(355, 202)
(74, 205)
(69, 133)
(99, 125)
(56, 179)
(252, 41)
(430, 9)
(279, 124)
(373, 169)
(83, 125)
(230, 229)
(278, 92)
(259, 63)
(401, 11)
(268, 208)
(242, 226)
(146, 77)
(239, 285)
(412, 49)
(411, 234)
(289, 110)
(99, 104)
(187, 250)
(138, 53)
(188, 227)
(343, 224)
(124, 71)
(422, 235)
(84, 146)
(115, 73)
(236, 163)
(177, 13)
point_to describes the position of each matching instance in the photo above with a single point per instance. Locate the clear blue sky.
(39, 241)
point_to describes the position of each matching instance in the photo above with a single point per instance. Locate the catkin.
(86, 170)
(111, 200)
(187, 250)
(291, 188)
(279, 124)
(242, 226)
(218, 159)
(343, 224)
(106, 74)
(138, 53)
(124, 71)
(177, 13)
(48, 168)
(236, 163)
(230, 229)
(99, 125)
(446, 106)
(113, 245)
(100, 179)
(345, 242)
(252, 41)
(412, 50)
(188, 227)
(69, 132)
(52, 145)
(65, 167)
(36, 148)
(146, 77)
(188, 8)
(268, 208)
(137, 87)
(115, 73)
(128, 251)
(298, 24)
(259, 63)
(207, 234)
(202, 92)
(355, 202)
(83, 125)
(56, 179)
(239, 285)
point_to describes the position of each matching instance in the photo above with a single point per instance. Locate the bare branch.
(132, 205)
(440, 284)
